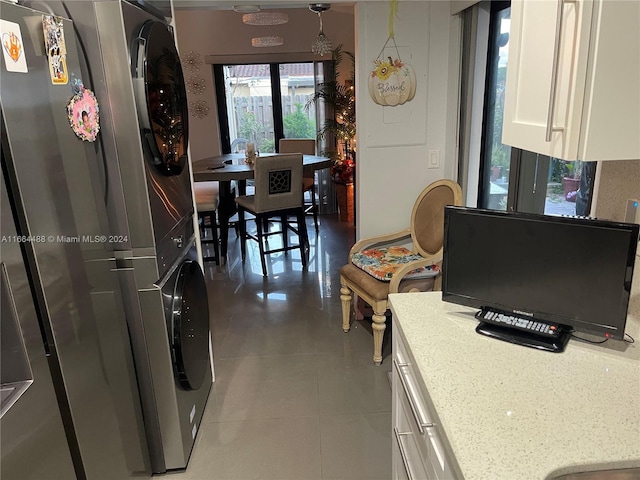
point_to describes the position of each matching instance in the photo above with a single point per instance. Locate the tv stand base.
(521, 337)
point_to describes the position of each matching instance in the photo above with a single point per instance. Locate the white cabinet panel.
(419, 453)
(572, 79)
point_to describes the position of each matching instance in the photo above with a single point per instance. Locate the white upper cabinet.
(573, 79)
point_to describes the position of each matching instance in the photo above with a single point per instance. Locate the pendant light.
(322, 44)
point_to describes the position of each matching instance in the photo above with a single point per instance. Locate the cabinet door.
(546, 75)
(611, 119)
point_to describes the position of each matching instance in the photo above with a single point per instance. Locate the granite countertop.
(512, 412)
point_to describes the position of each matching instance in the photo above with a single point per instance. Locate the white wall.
(393, 143)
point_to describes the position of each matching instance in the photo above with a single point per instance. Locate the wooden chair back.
(278, 182)
(306, 146)
(427, 217)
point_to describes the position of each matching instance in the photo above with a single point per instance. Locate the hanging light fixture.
(265, 18)
(322, 44)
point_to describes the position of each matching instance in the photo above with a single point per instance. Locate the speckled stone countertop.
(512, 412)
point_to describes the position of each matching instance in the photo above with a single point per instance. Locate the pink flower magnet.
(83, 112)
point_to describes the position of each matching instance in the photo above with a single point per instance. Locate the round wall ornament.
(199, 108)
(191, 61)
(196, 85)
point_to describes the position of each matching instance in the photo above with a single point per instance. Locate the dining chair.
(238, 145)
(306, 146)
(207, 201)
(382, 265)
(278, 193)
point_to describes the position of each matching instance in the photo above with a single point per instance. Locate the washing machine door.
(190, 326)
(161, 97)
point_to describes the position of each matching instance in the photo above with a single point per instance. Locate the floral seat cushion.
(382, 263)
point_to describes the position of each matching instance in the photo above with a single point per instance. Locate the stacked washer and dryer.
(136, 74)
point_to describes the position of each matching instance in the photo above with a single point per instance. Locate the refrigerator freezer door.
(32, 427)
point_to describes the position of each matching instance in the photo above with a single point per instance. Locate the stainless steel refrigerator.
(70, 401)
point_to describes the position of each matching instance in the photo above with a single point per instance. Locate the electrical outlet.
(434, 159)
(632, 213)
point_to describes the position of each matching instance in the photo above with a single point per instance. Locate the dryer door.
(161, 97)
(190, 326)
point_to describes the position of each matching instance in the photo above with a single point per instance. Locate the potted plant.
(343, 171)
(340, 131)
(571, 179)
(342, 99)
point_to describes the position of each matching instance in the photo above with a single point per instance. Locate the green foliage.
(298, 125)
(558, 170)
(565, 168)
(574, 169)
(268, 145)
(249, 126)
(342, 98)
(500, 155)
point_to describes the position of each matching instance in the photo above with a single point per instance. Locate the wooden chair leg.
(243, 233)
(314, 208)
(285, 232)
(263, 261)
(303, 237)
(345, 298)
(378, 326)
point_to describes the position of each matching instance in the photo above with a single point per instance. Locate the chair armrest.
(399, 275)
(379, 240)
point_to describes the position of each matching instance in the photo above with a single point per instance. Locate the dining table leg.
(227, 208)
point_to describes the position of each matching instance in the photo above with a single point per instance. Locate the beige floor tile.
(352, 390)
(264, 387)
(283, 449)
(356, 447)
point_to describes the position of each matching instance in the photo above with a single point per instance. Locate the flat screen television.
(570, 271)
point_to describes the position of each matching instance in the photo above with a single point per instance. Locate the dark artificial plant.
(341, 98)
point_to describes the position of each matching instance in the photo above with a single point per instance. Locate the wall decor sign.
(56, 49)
(392, 81)
(83, 112)
(12, 47)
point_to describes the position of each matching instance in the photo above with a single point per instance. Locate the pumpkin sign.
(392, 82)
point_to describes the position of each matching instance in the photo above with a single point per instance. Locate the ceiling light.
(322, 44)
(271, 41)
(265, 18)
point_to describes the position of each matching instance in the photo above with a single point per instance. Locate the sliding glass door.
(496, 156)
(264, 103)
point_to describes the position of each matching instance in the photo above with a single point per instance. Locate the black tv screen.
(572, 271)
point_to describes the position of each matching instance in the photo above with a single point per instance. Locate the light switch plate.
(434, 159)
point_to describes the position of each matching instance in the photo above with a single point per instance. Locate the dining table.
(231, 167)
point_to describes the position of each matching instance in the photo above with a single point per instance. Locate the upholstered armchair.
(404, 261)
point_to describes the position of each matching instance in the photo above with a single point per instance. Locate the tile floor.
(295, 398)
